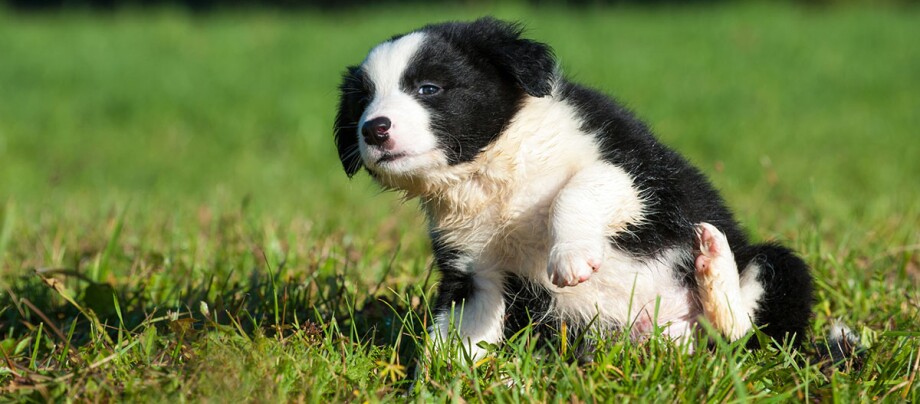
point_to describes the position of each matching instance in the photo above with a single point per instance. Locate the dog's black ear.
(531, 64)
(353, 96)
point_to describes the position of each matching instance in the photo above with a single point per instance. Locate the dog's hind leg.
(773, 288)
(728, 298)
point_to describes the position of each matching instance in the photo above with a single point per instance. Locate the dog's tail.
(841, 349)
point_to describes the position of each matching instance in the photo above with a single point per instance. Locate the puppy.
(548, 203)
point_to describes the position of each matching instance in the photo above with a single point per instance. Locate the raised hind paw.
(718, 283)
(714, 258)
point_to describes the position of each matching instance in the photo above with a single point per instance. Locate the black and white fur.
(548, 201)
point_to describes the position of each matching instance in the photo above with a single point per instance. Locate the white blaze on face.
(412, 147)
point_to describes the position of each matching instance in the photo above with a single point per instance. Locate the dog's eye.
(429, 89)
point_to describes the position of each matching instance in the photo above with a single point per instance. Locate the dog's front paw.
(573, 263)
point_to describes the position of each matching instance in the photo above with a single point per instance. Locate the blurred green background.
(793, 110)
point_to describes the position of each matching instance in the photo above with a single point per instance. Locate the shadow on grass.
(74, 315)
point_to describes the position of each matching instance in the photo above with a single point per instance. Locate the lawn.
(175, 225)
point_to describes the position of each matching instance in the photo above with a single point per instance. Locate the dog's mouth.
(389, 157)
(403, 162)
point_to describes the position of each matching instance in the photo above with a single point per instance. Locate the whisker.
(351, 153)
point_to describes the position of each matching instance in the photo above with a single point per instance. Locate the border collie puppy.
(548, 202)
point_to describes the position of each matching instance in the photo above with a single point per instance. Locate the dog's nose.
(375, 130)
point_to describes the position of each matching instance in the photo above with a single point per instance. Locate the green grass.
(174, 223)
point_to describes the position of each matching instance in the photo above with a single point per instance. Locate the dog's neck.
(481, 190)
(476, 190)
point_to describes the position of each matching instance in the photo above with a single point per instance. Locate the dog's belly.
(628, 292)
(638, 293)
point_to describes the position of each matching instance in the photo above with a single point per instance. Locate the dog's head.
(436, 97)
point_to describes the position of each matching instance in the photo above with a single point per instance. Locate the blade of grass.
(271, 277)
(67, 341)
(38, 340)
(101, 269)
(121, 320)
